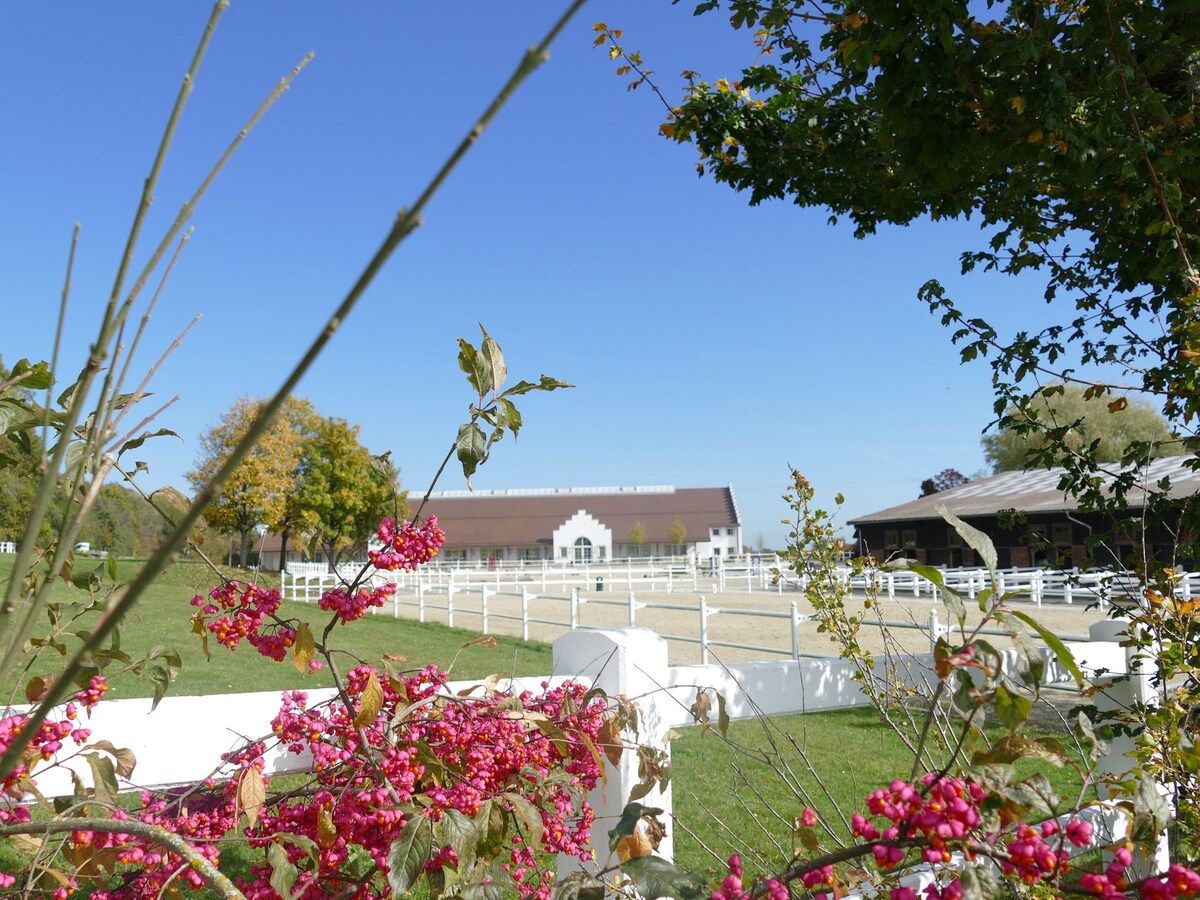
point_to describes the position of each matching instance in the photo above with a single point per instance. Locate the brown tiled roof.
(528, 518)
(1033, 491)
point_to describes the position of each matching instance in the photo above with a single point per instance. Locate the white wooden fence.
(482, 605)
(172, 750)
(8, 547)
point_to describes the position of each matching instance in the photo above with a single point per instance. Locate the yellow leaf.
(370, 703)
(667, 129)
(326, 830)
(722, 85)
(609, 739)
(614, 52)
(599, 26)
(1018, 104)
(251, 794)
(305, 649)
(1117, 405)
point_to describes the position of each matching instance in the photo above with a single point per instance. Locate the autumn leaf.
(251, 793)
(305, 649)
(370, 703)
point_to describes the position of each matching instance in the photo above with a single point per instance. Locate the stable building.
(1031, 520)
(586, 525)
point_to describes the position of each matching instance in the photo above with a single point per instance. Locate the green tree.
(343, 491)
(1069, 417)
(1067, 130)
(259, 490)
(943, 481)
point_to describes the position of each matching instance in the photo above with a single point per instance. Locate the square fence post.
(633, 662)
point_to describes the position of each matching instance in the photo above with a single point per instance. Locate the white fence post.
(524, 613)
(1137, 688)
(632, 611)
(703, 631)
(574, 609)
(795, 631)
(450, 608)
(633, 662)
(935, 630)
(484, 609)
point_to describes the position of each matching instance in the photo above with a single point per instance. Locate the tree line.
(310, 480)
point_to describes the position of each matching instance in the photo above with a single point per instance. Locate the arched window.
(583, 550)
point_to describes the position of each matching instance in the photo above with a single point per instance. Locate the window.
(583, 550)
(716, 532)
(1063, 533)
(454, 555)
(910, 538)
(953, 538)
(562, 551)
(603, 551)
(529, 553)
(729, 531)
(891, 539)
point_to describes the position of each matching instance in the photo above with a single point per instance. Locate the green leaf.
(283, 872)
(104, 779)
(951, 598)
(37, 376)
(136, 442)
(655, 877)
(722, 715)
(408, 854)
(494, 359)
(1065, 657)
(463, 834)
(972, 537)
(479, 373)
(471, 447)
(528, 815)
(981, 881)
(1151, 812)
(1011, 709)
(546, 383)
(511, 415)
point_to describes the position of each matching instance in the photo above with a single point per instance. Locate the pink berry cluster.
(408, 546)
(424, 753)
(44, 746)
(354, 605)
(940, 816)
(243, 611)
(454, 753)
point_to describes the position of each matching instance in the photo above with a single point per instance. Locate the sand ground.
(611, 609)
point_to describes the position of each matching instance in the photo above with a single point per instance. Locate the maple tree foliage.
(258, 491)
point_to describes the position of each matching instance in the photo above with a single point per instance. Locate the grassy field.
(732, 797)
(162, 618)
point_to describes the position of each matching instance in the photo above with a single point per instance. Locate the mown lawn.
(162, 618)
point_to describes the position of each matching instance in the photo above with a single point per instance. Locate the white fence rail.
(630, 662)
(8, 547)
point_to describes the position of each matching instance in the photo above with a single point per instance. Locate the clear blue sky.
(710, 341)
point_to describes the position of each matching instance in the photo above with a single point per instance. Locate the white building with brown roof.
(570, 525)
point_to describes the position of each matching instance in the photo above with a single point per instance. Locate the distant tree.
(20, 455)
(343, 490)
(677, 533)
(259, 490)
(943, 481)
(1071, 417)
(637, 536)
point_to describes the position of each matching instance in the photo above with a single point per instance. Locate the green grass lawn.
(162, 618)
